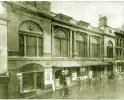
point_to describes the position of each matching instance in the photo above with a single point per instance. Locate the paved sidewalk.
(75, 92)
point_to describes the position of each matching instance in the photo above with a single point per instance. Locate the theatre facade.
(43, 46)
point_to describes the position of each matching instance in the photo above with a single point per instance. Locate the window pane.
(94, 50)
(78, 48)
(21, 39)
(64, 48)
(82, 49)
(109, 52)
(40, 46)
(61, 34)
(31, 41)
(31, 51)
(21, 45)
(39, 79)
(80, 37)
(21, 50)
(31, 46)
(28, 81)
(57, 47)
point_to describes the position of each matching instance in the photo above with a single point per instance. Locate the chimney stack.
(102, 21)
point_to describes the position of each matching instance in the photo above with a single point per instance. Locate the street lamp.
(82, 70)
(64, 74)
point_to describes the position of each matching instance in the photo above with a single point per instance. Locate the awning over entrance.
(67, 64)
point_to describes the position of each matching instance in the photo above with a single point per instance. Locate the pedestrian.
(66, 89)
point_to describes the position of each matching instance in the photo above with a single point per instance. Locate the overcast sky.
(89, 11)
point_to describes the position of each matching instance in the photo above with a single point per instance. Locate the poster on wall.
(74, 76)
(48, 76)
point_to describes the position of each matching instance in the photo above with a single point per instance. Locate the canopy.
(76, 64)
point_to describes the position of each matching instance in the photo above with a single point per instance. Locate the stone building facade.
(3, 57)
(42, 44)
(119, 49)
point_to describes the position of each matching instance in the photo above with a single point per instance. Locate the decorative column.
(87, 46)
(25, 53)
(74, 44)
(37, 47)
(52, 41)
(71, 40)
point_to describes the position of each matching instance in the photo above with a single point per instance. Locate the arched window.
(80, 46)
(95, 47)
(31, 77)
(110, 49)
(60, 44)
(30, 39)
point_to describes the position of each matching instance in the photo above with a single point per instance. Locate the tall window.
(61, 44)
(30, 39)
(80, 46)
(110, 50)
(31, 45)
(95, 48)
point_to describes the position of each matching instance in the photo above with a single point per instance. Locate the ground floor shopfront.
(120, 68)
(74, 76)
(34, 77)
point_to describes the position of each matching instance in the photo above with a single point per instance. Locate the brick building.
(42, 44)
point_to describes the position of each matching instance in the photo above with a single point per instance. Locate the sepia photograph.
(62, 50)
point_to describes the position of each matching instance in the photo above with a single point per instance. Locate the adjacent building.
(42, 44)
(119, 48)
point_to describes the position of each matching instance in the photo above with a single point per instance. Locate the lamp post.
(82, 70)
(64, 74)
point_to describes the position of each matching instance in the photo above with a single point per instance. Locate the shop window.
(28, 81)
(95, 48)
(39, 82)
(32, 81)
(80, 46)
(110, 50)
(118, 68)
(61, 44)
